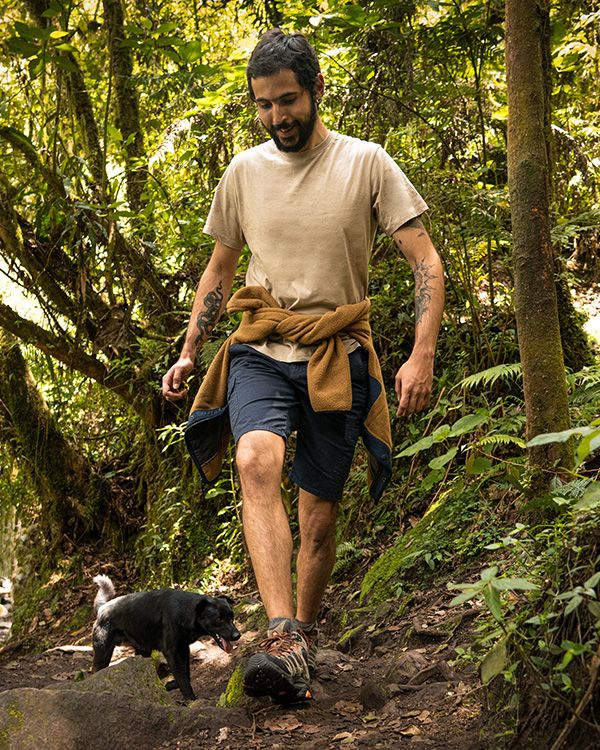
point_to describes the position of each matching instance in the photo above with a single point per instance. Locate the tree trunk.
(73, 500)
(528, 76)
(127, 109)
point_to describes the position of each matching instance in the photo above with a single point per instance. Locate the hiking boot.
(312, 635)
(280, 668)
(313, 643)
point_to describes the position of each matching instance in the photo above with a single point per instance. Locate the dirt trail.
(397, 685)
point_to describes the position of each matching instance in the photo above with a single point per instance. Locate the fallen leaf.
(344, 738)
(411, 731)
(223, 734)
(286, 723)
(348, 709)
(424, 715)
(370, 718)
(312, 729)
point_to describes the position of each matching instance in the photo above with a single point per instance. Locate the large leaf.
(494, 662)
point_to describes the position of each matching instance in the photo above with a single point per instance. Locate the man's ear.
(319, 87)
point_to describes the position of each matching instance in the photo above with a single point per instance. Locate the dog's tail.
(106, 591)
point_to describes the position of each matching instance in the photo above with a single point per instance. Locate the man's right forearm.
(212, 294)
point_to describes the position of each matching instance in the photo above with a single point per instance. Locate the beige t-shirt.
(309, 219)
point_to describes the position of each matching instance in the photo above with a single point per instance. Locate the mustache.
(284, 126)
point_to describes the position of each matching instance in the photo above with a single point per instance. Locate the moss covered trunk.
(72, 499)
(529, 162)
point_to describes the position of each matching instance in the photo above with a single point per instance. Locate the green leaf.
(492, 599)
(478, 465)
(592, 582)
(590, 498)
(594, 609)
(573, 604)
(469, 423)
(191, 52)
(31, 32)
(494, 662)
(588, 445)
(514, 584)
(436, 437)
(22, 47)
(559, 437)
(441, 461)
(65, 47)
(464, 597)
(489, 573)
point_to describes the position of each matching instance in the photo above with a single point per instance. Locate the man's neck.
(318, 135)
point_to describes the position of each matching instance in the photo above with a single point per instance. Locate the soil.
(396, 683)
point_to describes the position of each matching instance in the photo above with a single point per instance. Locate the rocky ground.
(396, 682)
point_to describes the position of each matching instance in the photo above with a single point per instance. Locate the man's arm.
(414, 379)
(212, 294)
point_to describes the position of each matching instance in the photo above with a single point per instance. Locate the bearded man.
(307, 203)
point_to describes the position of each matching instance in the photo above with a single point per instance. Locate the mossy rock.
(234, 692)
(427, 545)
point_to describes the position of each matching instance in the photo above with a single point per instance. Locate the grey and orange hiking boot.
(310, 631)
(280, 668)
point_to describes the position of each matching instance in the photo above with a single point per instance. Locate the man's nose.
(279, 113)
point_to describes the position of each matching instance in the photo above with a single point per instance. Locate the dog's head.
(214, 617)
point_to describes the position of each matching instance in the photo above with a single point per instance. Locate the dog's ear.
(202, 604)
(227, 599)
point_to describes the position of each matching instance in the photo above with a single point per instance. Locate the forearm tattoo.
(423, 288)
(207, 319)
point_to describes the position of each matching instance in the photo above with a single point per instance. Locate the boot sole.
(264, 678)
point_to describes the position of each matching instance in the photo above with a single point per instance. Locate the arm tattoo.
(206, 320)
(423, 279)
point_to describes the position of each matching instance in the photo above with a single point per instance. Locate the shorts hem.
(262, 428)
(315, 491)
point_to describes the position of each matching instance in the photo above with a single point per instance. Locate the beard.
(304, 131)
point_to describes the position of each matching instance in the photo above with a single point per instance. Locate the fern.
(491, 375)
(346, 553)
(499, 439)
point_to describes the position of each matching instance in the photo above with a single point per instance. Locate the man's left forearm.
(415, 377)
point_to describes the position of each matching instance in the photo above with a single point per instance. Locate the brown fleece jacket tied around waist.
(328, 373)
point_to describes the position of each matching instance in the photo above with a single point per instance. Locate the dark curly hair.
(276, 51)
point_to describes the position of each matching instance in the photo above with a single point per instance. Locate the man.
(307, 204)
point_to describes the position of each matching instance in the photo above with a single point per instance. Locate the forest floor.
(396, 683)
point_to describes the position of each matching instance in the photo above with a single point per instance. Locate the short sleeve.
(395, 199)
(223, 221)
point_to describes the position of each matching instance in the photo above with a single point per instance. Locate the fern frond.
(499, 439)
(491, 375)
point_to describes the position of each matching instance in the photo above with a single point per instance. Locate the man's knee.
(259, 457)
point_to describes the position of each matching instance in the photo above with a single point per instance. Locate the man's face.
(286, 110)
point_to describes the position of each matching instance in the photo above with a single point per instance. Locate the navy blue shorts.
(266, 394)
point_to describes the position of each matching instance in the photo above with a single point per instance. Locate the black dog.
(166, 620)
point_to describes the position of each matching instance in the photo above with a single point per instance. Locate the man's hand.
(174, 386)
(413, 385)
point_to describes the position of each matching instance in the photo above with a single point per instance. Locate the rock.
(406, 665)
(373, 695)
(350, 638)
(124, 706)
(234, 692)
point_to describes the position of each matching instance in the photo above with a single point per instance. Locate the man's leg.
(259, 459)
(316, 556)
(280, 667)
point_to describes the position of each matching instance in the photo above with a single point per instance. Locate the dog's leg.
(178, 659)
(103, 645)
